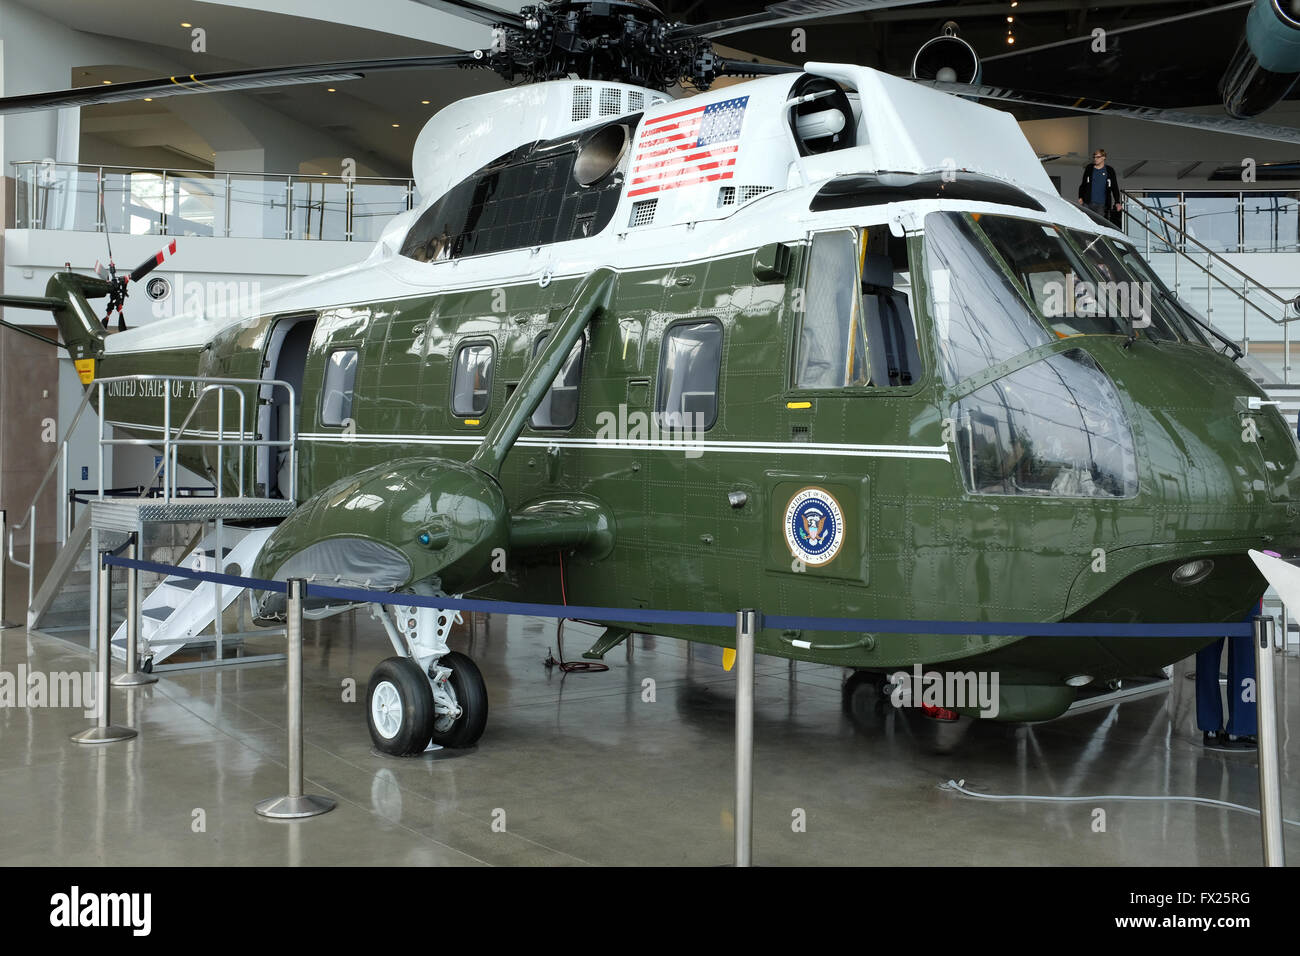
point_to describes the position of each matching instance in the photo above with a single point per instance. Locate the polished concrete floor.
(581, 769)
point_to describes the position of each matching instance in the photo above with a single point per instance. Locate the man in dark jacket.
(1099, 190)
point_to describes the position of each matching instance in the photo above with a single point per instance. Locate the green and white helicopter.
(825, 343)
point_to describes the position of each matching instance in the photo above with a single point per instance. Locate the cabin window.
(980, 318)
(559, 406)
(1055, 428)
(471, 382)
(1055, 278)
(336, 394)
(690, 363)
(832, 349)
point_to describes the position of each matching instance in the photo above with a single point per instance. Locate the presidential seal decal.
(814, 526)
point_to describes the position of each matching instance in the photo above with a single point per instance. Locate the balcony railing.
(1225, 220)
(187, 202)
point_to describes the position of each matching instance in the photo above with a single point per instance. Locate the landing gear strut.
(429, 693)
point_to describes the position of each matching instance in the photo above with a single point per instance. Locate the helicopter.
(826, 342)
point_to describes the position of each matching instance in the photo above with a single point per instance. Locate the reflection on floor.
(585, 769)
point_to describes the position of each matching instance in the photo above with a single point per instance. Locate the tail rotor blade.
(153, 262)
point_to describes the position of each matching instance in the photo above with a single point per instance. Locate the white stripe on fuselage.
(922, 452)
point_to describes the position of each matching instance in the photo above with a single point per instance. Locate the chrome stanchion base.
(134, 679)
(294, 808)
(104, 735)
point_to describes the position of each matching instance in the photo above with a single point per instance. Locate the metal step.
(64, 564)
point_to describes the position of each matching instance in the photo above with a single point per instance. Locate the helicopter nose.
(1212, 442)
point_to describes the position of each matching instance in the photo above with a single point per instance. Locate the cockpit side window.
(1131, 296)
(1165, 305)
(1054, 277)
(832, 345)
(980, 317)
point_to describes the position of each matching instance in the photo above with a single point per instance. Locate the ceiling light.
(106, 82)
(1011, 39)
(396, 125)
(188, 25)
(1011, 19)
(331, 90)
(1079, 680)
(425, 102)
(148, 99)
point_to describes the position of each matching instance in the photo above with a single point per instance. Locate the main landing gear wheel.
(399, 707)
(465, 686)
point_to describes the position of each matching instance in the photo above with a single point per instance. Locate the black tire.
(471, 694)
(409, 733)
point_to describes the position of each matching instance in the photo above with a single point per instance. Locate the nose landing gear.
(428, 694)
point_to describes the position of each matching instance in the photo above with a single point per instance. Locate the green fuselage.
(916, 542)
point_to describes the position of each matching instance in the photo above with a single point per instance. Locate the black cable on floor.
(569, 667)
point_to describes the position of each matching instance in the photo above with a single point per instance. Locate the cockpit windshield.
(979, 315)
(1053, 276)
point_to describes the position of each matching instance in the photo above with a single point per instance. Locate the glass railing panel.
(1211, 218)
(196, 204)
(1270, 222)
(320, 208)
(53, 196)
(373, 205)
(258, 206)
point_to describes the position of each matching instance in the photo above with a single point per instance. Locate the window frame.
(455, 367)
(659, 396)
(325, 391)
(917, 300)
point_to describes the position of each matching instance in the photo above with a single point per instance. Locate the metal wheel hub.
(386, 711)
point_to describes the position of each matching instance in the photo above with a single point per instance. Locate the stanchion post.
(133, 677)
(746, 625)
(1270, 786)
(104, 732)
(4, 567)
(295, 805)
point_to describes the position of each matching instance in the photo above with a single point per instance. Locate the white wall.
(201, 266)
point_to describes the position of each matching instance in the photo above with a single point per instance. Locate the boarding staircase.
(1232, 303)
(178, 613)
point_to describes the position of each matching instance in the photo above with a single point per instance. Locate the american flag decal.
(688, 147)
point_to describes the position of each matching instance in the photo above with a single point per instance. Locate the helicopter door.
(286, 360)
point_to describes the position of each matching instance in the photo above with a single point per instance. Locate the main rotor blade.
(746, 68)
(477, 12)
(1087, 37)
(1082, 104)
(233, 80)
(787, 11)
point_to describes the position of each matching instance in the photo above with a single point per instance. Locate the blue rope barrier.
(171, 569)
(713, 618)
(990, 628)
